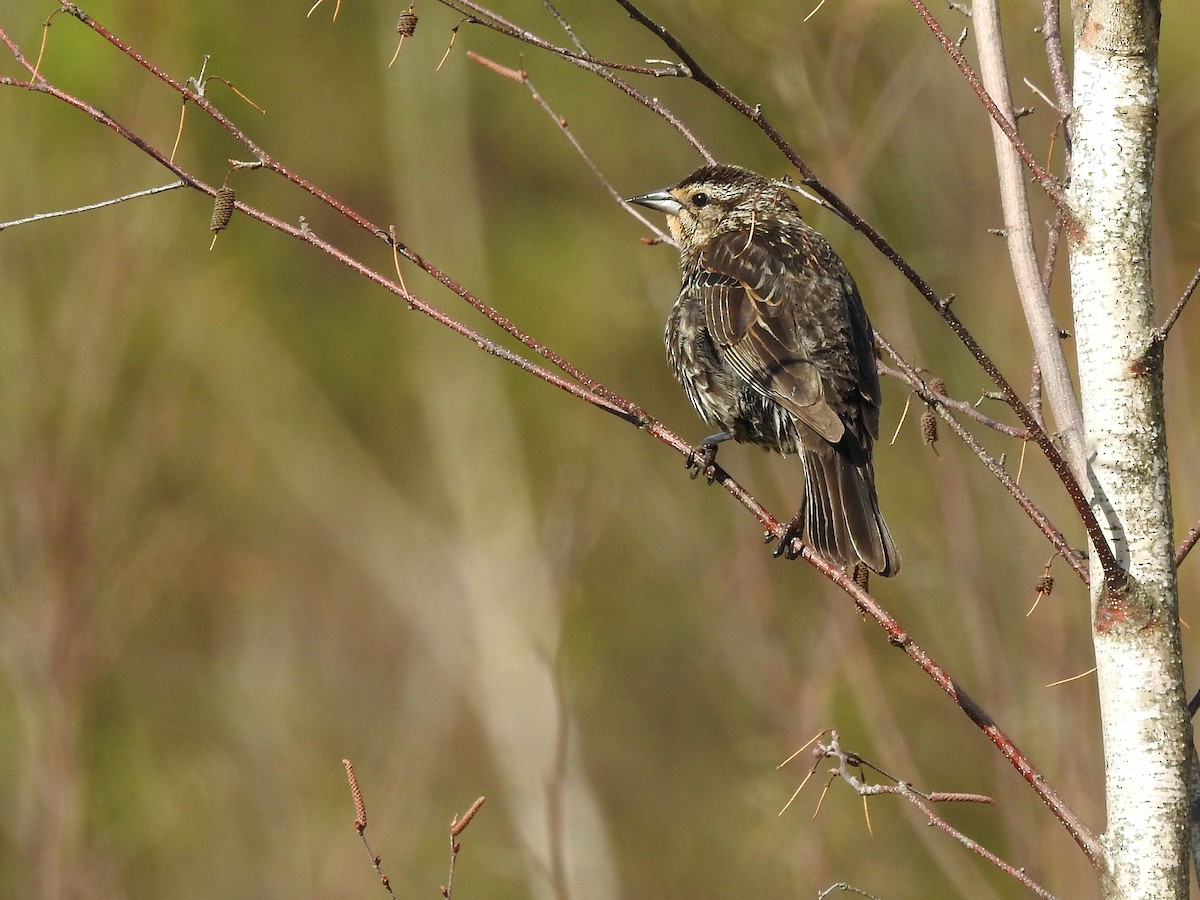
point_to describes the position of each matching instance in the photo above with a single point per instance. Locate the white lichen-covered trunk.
(1146, 729)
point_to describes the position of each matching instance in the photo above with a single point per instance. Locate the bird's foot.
(703, 458)
(789, 545)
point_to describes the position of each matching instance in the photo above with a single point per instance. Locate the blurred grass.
(258, 517)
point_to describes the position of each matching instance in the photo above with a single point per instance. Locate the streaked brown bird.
(771, 342)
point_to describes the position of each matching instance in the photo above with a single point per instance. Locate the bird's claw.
(789, 545)
(703, 459)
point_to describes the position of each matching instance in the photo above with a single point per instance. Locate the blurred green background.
(258, 517)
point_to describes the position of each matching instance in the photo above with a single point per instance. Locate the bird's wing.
(788, 319)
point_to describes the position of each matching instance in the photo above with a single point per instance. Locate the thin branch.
(898, 637)
(962, 407)
(1165, 328)
(1052, 37)
(604, 68)
(1031, 509)
(103, 203)
(843, 886)
(1018, 229)
(566, 27)
(522, 77)
(1040, 93)
(1186, 545)
(1052, 188)
(848, 763)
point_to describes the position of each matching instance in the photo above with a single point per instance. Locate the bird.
(772, 345)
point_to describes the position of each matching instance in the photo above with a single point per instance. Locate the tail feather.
(840, 512)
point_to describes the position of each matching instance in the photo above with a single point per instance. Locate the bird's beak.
(662, 201)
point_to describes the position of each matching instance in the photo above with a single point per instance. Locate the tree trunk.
(1146, 729)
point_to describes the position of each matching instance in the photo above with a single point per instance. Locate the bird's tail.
(840, 516)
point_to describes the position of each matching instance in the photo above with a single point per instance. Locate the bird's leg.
(789, 545)
(703, 458)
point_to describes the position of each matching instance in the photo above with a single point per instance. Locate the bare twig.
(603, 68)
(848, 764)
(1035, 393)
(1048, 350)
(1051, 257)
(566, 27)
(962, 407)
(898, 637)
(1186, 545)
(1045, 98)
(1173, 316)
(361, 221)
(112, 201)
(1071, 678)
(521, 77)
(937, 400)
(1052, 37)
(1052, 188)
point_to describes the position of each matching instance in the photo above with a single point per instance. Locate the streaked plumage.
(770, 341)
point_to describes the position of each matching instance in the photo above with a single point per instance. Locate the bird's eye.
(700, 200)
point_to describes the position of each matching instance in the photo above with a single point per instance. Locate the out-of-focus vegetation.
(258, 517)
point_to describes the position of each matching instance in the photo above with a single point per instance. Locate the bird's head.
(713, 200)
